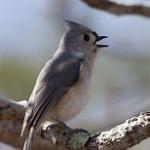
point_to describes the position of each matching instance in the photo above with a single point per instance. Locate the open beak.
(99, 38)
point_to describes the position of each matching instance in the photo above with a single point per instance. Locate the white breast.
(76, 98)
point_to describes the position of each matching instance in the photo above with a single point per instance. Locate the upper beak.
(99, 38)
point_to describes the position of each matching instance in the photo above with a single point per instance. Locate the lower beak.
(99, 38)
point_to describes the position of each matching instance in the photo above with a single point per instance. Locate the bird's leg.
(59, 133)
(56, 131)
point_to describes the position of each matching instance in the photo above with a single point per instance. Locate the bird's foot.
(59, 133)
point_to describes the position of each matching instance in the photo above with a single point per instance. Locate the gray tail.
(28, 141)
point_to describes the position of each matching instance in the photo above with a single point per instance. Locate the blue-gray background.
(30, 31)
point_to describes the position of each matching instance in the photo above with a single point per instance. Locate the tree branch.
(11, 117)
(121, 137)
(11, 110)
(116, 8)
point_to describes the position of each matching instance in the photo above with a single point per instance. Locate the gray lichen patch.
(78, 139)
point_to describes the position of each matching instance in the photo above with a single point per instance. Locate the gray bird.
(62, 87)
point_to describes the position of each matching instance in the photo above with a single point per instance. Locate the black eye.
(86, 37)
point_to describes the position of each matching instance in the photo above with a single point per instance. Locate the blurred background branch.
(121, 7)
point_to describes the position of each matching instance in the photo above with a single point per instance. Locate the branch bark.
(57, 134)
(116, 8)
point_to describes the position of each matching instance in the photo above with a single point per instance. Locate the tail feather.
(23, 128)
(28, 141)
(25, 121)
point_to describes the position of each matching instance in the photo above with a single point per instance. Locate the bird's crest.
(74, 25)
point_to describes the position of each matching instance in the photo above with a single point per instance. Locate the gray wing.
(54, 81)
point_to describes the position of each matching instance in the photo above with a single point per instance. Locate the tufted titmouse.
(62, 87)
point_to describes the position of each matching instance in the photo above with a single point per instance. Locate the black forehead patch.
(95, 33)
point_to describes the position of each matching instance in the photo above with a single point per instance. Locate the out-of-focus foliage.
(16, 79)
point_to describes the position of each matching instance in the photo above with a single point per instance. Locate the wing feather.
(53, 83)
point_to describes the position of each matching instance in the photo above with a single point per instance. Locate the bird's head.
(80, 39)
